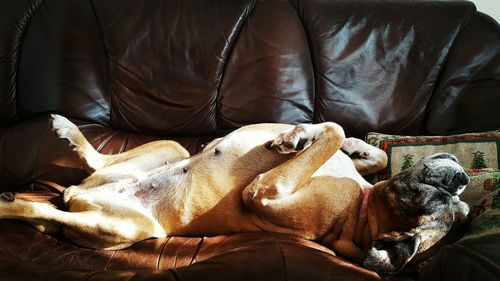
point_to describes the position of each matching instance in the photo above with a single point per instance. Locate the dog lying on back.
(297, 180)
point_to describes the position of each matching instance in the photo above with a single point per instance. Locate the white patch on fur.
(379, 260)
(340, 165)
(383, 256)
(461, 189)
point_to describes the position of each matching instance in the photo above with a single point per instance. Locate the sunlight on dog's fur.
(297, 180)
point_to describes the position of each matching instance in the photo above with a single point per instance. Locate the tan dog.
(266, 177)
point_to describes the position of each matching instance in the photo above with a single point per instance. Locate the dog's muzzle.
(461, 178)
(459, 181)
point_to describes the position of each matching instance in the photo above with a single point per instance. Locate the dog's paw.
(7, 196)
(294, 140)
(259, 193)
(355, 148)
(64, 128)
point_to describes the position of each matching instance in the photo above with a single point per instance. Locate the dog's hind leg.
(322, 140)
(65, 129)
(294, 201)
(150, 155)
(367, 158)
(95, 226)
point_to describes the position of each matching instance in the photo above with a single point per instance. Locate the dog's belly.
(208, 197)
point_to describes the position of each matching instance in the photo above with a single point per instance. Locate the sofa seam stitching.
(17, 51)
(283, 258)
(230, 47)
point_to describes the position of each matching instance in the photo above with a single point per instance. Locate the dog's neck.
(366, 197)
(374, 215)
(363, 235)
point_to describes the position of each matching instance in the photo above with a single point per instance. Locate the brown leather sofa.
(133, 71)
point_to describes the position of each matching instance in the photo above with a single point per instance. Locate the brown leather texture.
(475, 258)
(132, 71)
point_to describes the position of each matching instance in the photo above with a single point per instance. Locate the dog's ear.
(391, 252)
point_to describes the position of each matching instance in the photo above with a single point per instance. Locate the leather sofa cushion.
(26, 254)
(475, 258)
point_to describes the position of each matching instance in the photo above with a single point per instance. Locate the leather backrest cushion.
(468, 95)
(195, 68)
(61, 63)
(269, 76)
(376, 64)
(166, 61)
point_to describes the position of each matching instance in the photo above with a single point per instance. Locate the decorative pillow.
(485, 214)
(478, 153)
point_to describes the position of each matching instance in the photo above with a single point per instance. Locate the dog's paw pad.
(8, 196)
(297, 139)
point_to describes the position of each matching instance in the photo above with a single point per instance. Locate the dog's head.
(425, 195)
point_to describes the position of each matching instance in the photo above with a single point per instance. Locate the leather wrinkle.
(54, 246)
(106, 141)
(106, 49)
(124, 143)
(138, 77)
(161, 252)
(432, 97)
(22, 26)
(197, 250)
(311, 55)
(73, 256)
(118, 80)
(154, 97)
(174, 273)
(91, 274)
(37, 157)
(226, 53)
(493, 267)
(110, 260)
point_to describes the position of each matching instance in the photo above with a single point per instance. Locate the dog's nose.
(461, 178)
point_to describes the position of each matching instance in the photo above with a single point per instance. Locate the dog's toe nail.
(8, 196)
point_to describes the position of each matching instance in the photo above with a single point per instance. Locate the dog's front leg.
(321, 140)
(367, 159)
